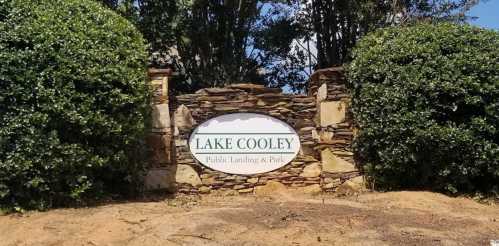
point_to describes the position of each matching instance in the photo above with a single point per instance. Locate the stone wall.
(297, 110)
(320, 118)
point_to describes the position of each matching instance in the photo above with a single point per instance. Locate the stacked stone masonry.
(160, 137)
(320, 118)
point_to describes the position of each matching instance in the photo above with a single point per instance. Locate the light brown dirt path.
(396, 218)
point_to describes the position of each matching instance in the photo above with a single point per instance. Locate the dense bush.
(426, 101)
(72, 102)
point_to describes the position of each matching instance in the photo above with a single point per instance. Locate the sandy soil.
(396, 218)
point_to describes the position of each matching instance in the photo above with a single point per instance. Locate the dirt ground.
(396, 218)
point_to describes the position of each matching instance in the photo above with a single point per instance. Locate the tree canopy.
(273, 42)
(338, 24)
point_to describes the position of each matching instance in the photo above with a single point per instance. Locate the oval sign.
(244, 143)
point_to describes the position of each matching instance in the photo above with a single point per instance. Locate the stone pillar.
(160, 174)
(334, 130)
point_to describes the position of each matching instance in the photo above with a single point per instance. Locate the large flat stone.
(271, 188)
(352, 186)
(252, 180)
(246, 191)
(314, 189)
(245, 86)
(217, 91)
(322, 93)
(185, 174)
(204, 190)
(333, 164)
(160, 116)
(209, 181)
(332, 113)
(160, 179)
(254, 88)
(311, 171)
(183, 119)
(160, 145)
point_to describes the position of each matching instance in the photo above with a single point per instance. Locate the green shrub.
(426, 101)
(73, 101)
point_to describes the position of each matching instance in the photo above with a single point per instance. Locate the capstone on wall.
(320, 118)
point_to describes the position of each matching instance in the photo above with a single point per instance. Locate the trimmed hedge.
(426, 101)
(73, 102)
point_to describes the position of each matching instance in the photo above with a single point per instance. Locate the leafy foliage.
(426, 101)
(212, 43)
(227, 42)
(73, 101)
(337, 25)
(272, 42)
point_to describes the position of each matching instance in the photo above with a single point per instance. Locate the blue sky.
(487, 13)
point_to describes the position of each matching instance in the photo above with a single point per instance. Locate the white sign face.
(244, 143)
